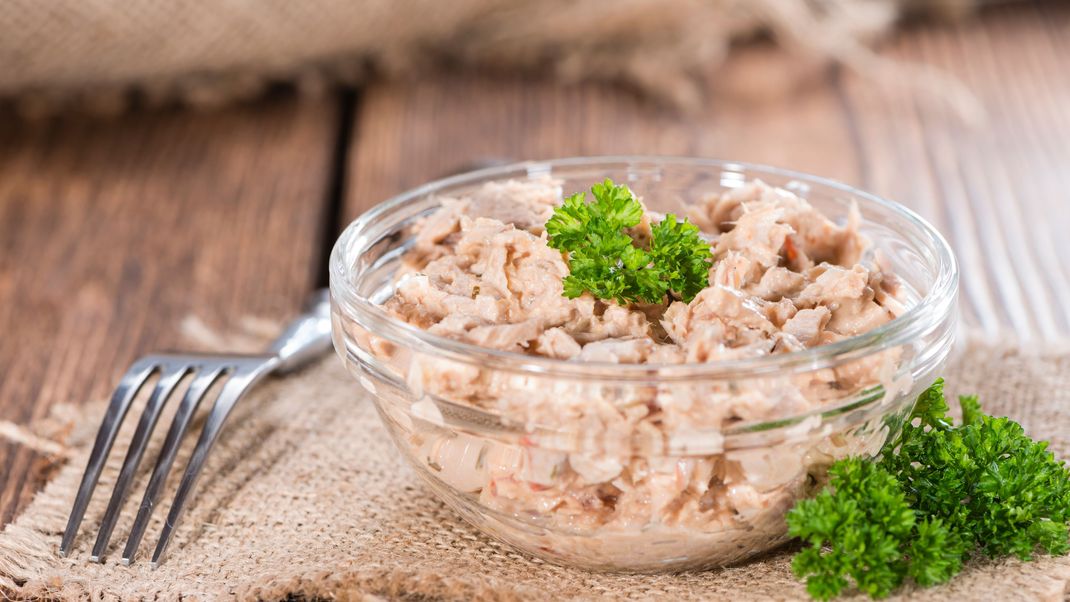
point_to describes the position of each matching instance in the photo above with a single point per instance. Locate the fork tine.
(169, 379)
(192, 399)
(235, 388)
(129, 385)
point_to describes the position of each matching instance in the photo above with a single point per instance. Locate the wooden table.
(114, 231)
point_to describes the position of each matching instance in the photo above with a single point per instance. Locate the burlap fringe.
(21, 435)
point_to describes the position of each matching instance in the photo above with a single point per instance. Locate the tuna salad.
(602, 467)
(784, 278)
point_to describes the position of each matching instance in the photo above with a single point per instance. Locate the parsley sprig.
(939, 493)
(605, 260)
(862, 528)
(992, 484)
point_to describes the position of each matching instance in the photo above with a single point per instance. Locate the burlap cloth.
(101, 54)
(305, 496)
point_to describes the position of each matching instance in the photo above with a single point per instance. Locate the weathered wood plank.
(998, 189)
(111, 232)
(406, 134)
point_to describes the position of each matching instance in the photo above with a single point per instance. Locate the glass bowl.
(562, 460)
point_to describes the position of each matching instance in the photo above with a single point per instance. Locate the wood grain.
(406, 134)
(112, 232)
(998, 189)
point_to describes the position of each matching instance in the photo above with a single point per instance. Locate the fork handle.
(307, 337)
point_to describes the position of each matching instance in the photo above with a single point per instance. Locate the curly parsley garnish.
(986, 478)
(605, 261)
(939, 493)
(872, 535)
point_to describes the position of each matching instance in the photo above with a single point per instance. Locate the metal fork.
(305, 338)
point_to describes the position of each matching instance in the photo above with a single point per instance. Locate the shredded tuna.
(807, 324)
(484, 274)
(785, 278)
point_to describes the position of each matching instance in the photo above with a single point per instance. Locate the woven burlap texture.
(306, 496)
(94, 53)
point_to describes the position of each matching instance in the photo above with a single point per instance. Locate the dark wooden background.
(113, 231)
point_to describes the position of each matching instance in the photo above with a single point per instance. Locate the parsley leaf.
(605, 261)
(986, 479)
(931, 407)
(935, 554)
(682, 256)
(862, 528)
(938, 493)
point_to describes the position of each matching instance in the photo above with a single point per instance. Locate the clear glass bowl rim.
(930, 310)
